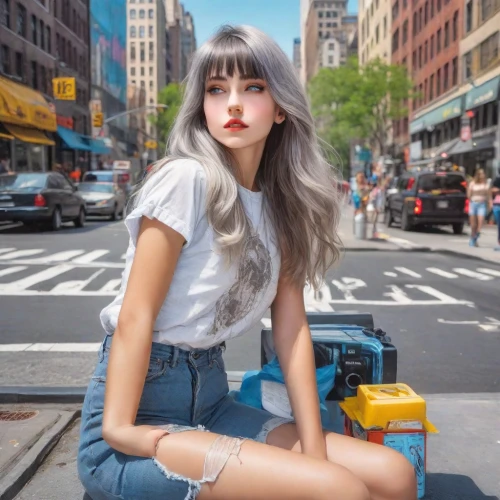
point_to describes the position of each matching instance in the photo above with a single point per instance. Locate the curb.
(446, 251)
(40, 394)
(26, 468)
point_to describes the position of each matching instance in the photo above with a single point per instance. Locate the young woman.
(495, 190)
(240, 214)
(479, 194)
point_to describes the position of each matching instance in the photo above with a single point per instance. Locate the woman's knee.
(397, 479)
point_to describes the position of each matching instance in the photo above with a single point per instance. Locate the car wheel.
(80, 220)
(405, 222)
(115, 215)
(56, 221)
(388, 219)
(458, 228)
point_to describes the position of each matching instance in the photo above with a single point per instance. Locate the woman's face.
(240, 113)
(482, 176)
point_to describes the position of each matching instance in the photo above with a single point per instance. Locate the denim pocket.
(218, 363)
(157, 367)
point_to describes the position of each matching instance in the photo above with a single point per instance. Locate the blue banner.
(108, 39)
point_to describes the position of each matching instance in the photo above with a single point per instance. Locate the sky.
(278, 18)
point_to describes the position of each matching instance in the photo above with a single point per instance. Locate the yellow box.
(377, 405)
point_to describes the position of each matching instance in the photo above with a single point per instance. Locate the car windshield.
(22, 182)
(95, 188)
(441, 184)
(98, 177)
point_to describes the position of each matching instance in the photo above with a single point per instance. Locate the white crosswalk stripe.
(472, 274)
(491, 272)
(21, 253)
(12, 270)
(90, 257)
(409, 272)
(440, 272)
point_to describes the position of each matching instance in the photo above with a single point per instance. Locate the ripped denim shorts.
(184, 390)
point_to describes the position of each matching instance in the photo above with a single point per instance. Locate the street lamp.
(135, 110)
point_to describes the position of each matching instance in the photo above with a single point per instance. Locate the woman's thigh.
(254, 470)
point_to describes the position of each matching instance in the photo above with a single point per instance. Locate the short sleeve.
(174, 195)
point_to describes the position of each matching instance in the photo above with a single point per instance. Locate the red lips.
(235, 121)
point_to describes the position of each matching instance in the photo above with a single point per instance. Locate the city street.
(440, 310)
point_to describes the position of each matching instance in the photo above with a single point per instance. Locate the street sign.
(151, 144)
(97, 120)
(64, 88)
(465, 128)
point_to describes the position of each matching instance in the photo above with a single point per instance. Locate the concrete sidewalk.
(462, 461)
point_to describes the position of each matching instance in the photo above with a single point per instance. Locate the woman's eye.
(259, 88)
(214, 90)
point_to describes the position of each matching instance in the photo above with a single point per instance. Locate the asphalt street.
(441, 311)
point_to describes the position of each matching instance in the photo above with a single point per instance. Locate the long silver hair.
(298, 184)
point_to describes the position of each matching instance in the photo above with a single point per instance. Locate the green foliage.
(355, 101)
(171, 95)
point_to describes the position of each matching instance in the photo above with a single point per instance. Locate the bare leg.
(387, 473)
(480, 222)
(473, 226)
(258, 471)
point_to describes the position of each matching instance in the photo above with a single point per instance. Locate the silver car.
(103, 198)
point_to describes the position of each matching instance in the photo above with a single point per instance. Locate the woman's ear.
(280, 116)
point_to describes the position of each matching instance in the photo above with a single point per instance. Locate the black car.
(40, 197)
(431, 198)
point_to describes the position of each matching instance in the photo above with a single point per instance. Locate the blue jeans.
(496, 214)
(478, 208)
(186, 388)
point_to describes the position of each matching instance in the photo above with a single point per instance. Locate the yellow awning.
(29, 135)
(21, 105)
(6, 136)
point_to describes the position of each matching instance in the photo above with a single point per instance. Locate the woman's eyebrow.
(224, 79)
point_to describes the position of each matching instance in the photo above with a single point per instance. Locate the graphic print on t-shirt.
(252, 279)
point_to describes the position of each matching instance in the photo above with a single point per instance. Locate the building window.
(438, 82)
(142, 71)
(488, 51)
(454, 64)
(151, 31)
(446, 75)
(132, 71)
(34, 30)
(330, 59)
(446, 34)
(432, 9)
(142, 14)
(488, 8)
(21, 20)
(414, 59)
(405, 32)
(395, 10)
(48, 35)
(420, 62)
(5, 60)
(151, 51)
(34, 75)
(385, 26)
(133, 14)
(42, 35)
(132, 52)
(151, 14)
(426, 52)
(467, 63)
(425, 91)
(133, 31)
(143, 84)
(438, 41)
(431, 55)
(142, 31)
(415, 24)
(151, 71)
(395, 40)
(143, 52)
(468, 16)
(426, 12)
(438, 5)
(20, 65)
(5, 13)
(151, 85)
(431, 88)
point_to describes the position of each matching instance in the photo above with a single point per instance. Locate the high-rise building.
(108, 41)
(296, 54)
(374, 28)
(147, 51)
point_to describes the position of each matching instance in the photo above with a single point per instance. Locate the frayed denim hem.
(269, 426)
(194, 487)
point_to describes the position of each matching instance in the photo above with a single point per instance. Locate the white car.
(103, 198)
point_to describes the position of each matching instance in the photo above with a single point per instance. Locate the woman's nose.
(234, 104)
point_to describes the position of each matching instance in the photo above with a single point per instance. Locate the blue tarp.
(73, 140)
(98, 147)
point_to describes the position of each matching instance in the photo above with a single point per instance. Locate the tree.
(355, 101)
(171, 95)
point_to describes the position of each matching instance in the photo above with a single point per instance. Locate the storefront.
(26, 118)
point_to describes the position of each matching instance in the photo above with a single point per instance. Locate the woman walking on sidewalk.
(238, 216)
(479, 194)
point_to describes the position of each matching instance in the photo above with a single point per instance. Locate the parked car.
(119, 175)
(40, 197)
(103, 198)
(427, 197)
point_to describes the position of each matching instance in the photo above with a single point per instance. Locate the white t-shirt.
(206, 303)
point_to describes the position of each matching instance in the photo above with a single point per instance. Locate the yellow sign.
(151, 145)
(97, 120)
(64, 88)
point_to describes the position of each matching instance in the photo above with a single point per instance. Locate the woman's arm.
(293, 344)
(157, 251)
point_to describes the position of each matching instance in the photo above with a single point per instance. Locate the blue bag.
(250, 392)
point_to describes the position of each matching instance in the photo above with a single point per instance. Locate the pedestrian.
(496, 206)
(479, 194)
(376, 200)
(238, 216)
(4, 165)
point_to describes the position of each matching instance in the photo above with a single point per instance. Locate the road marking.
(6, 250)
(402, 242)
(347, 285)
(21, 285)
(409, 272)
(11, 270)
(89, 257)
(63, 256)
(435, 293)
(21, 253)
(318, 301)
(440, 272)
(67, 287)
(398, 295)
(62, 347)
(492, 272)
(391, 274)
(111, 285)
(447, 322)
(472, 274)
